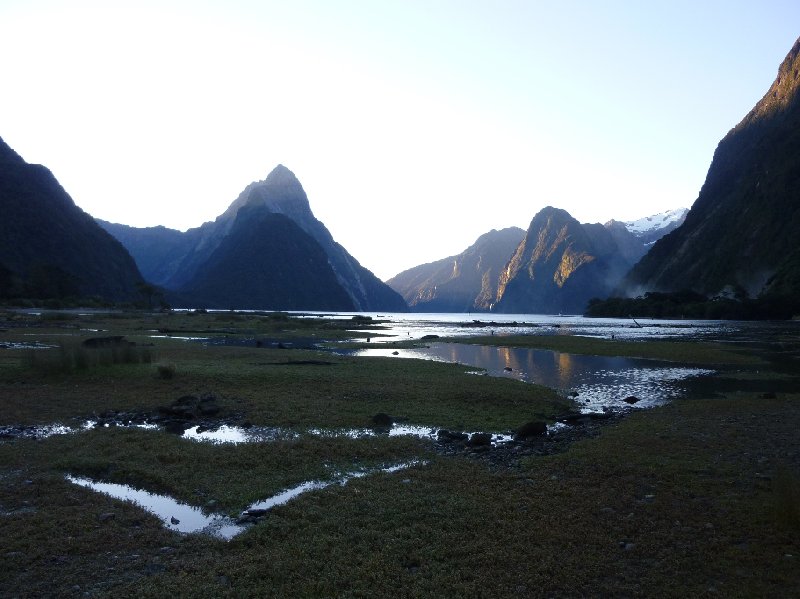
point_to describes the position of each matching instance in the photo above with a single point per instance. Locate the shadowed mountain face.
(562, 264)
(292, 271)
(50, 248)
(463, 283)
(178, 261)
(742, 234)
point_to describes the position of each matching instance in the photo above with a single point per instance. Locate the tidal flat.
(695, 497)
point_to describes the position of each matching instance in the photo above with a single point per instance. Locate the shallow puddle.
(176, 516)
(188, 519)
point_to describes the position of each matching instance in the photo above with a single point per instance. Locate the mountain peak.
(9, 155)
(783, 91)
(281, 192)
(281, 175)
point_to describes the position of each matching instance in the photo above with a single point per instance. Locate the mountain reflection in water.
(598, 380)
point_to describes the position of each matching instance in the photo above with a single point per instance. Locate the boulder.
(382, 420)
(480, 440)
(529, 430)
(446, 436)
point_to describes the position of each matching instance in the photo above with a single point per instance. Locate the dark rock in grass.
(176, 427)
(572, 394)
(631, 399)
(529, 430)
(186, 400)
(508, 369)
(382, 420)
(446, 436)
(256, 512)
(246, 518)
(480, 440)
(105, 517)
(427, 337)
(768, 395)
(581, 418)
(209, 409)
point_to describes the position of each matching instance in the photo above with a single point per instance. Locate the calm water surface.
(599, 381)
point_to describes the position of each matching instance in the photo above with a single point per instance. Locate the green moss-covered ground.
(697, 498)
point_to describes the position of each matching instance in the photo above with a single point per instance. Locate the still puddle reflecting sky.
(598, 380)
(188, 519)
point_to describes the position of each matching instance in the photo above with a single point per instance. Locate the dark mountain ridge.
(178, 261)
(560, 265)
(466, 282)
(49, 247)
(288, 259)
(742, 235)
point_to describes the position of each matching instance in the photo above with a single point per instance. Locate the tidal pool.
(598, 380)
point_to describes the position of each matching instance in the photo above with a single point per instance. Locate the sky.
(414, 126)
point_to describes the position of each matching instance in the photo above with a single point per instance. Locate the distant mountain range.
(50, 248)
(266, 251)
(554, 267)
(463, 283)
(740, 240)
(742, 235)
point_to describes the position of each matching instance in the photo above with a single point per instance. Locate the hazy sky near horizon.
(414, 126)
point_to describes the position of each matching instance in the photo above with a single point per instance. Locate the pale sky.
(414, 126)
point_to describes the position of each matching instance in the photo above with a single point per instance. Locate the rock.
(480, 440)
(446, 436)
(382, 420)
(631, 399)
(209, 409)
(572, 394)
(769, 395)
(530, 429)
(427, 337)
(395, 353)
(256, 512)
(105, 517)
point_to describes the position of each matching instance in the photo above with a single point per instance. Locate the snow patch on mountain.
(671, 219)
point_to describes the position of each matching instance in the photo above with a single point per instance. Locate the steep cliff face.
(463, 283)
(559, 266)
(743, 230)
(50, 248)
(177, 260)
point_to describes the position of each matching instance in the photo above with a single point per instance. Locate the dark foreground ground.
(697, 498)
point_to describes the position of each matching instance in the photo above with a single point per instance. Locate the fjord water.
(599, 381)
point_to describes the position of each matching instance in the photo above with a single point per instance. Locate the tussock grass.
(71, 356)
(786, 490)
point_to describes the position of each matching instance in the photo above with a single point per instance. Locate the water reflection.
(175, 515)
(184, 518)
(599, 380)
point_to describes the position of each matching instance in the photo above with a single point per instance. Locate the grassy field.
(698, 498)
